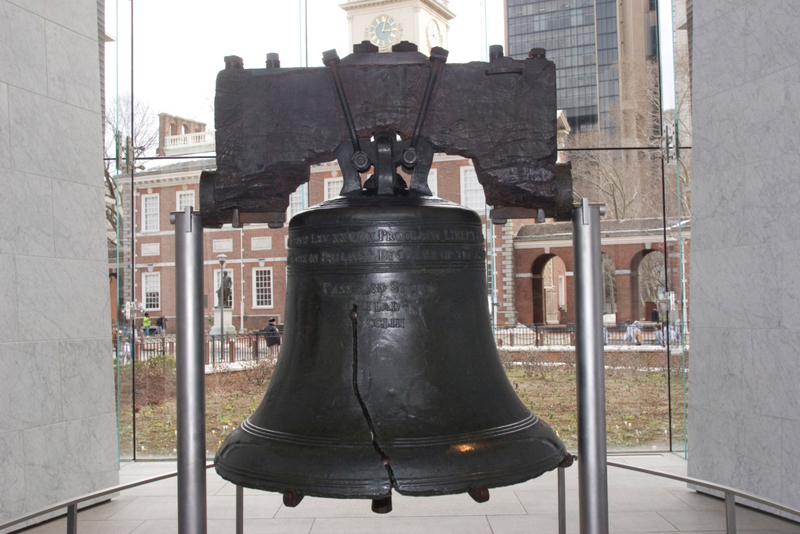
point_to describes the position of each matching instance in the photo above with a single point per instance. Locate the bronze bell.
(388, 376)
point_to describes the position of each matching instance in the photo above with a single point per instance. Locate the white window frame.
(468, 174)
(179, 194)
(562, 290)
(299, 196)
(148, 278)
(433, 182)
(271, 288)
(216, 288)
(266, 239)
(329, 182)
(145, 213)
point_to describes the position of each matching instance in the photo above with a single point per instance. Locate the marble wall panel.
(31, 387)
(706, 11)
(78, 211)
(771, 30)
(718, 194)
(65, 299)
(73, 73)
(730, 385)
(70, 459)
(80, 16)
(738, 449)
(22, 45)
(87, 379)
(44, 138)
(12, 473)
(744, 127)
(5, 154)
(718, 61)
(789, 123)
(788, 300)
(770, 199)
(8, 299)
(745, 288)
(734, 287)
(27, 207)
(776, 382)
(790, 458)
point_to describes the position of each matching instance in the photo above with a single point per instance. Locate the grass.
(636, 406)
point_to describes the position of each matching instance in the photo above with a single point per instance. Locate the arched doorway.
(647, 276)
(549, 290)
(609, 270)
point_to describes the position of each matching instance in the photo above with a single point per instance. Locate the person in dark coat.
(273, 336)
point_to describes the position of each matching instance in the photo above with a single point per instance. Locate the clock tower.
(387, 22)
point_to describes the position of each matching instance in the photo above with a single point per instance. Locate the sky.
(179, 45)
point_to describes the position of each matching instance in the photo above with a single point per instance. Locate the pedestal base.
(227, 322)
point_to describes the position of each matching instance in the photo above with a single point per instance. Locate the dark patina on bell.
(388, 376)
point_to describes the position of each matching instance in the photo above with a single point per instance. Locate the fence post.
(254, 342)
(232, 349)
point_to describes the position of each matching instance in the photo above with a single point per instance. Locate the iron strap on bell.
(388, 377)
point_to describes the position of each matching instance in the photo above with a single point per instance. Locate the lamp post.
(221, 258)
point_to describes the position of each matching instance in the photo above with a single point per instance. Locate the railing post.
(730, 513)
(562, 502)
(72, 519)
(590, 370)
(192, 512)
(239, 510)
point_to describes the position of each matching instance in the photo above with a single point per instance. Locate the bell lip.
(356, 472)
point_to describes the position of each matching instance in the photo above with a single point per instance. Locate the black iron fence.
(218, 349)
(540, 335)
(241, 347)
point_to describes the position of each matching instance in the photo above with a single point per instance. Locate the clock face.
(434, 35)
(383, 31)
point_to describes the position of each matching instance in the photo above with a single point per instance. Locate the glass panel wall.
(627, 137)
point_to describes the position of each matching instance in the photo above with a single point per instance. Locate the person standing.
(273, 336)
(146, 324)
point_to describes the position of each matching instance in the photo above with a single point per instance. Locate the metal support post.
(72, 519)
(730, 513)
(190, 372)
(562, 502)
(590, 369)
(239, 509)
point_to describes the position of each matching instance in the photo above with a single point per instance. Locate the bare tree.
(118, 127)
(627, 181)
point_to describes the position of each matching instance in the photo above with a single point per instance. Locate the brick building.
(256, 254)
(528, 286)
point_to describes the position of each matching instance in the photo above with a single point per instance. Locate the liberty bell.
(388, 377)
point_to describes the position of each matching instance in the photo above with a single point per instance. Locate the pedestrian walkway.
(637, 503)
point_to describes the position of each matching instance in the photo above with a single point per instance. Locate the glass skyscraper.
(582, 38)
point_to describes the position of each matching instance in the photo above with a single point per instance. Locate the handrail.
(90, 496)
(730, 492)
(710, 485)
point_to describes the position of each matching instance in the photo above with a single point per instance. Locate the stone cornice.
(433, 5)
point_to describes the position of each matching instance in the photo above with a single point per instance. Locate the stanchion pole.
(590, 369)
(190, 372)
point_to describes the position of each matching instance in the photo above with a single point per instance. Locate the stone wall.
(58, 428)
(744, 413)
